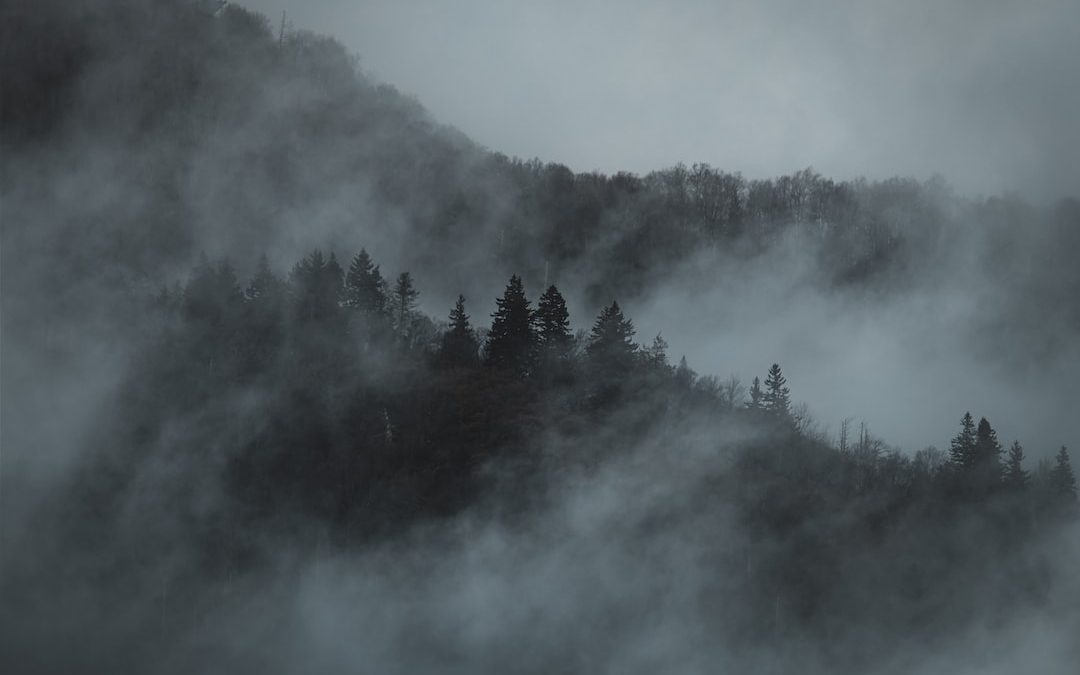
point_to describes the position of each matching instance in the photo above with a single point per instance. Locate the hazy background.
(985, 92)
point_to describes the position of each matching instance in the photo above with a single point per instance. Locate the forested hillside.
(227, 448)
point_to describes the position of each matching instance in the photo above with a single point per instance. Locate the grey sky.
(986, 92)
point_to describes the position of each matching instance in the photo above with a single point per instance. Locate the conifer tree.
(459, 344)
(365, 289)
(1015, 476)
(403, 302)
(684, 375)
(317, 286)
(777, 399)
(554, 340)
(1062, 481)
(611, 348)
(264, 285)
(962, 446)
(511, 343)
(656, 355)
(757, 397)
(553, 322)
(987, 456)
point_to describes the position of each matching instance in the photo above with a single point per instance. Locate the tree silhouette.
(511, 344)
(459, 344)
(365, 289)
(962, 446)
(403, 305)
(1015, 477)
(1062, 480)
(611, 348)
(777, 399)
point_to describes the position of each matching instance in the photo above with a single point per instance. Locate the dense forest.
(226, 448)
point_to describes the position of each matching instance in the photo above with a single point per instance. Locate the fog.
(982, 92)
(173, 499)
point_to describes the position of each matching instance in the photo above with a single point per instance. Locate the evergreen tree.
(684, 376)
(317, 286)
(553, 323)
(962, 446)
(777, 399)
(212, 297)
(459, 344)
(365, 289)
(403, 305)
(265, 285)
(611, 348)
(1062, 482)
(987, 454)
(757, 397)
(655, 355)
(1015, 477)
(511, 343)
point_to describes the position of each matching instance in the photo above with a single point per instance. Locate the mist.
(236, 436)
(983, 93)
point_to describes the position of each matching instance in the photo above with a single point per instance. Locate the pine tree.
(553, 322)
(459, 344)
(1015, 477)
(655, 355)
(317, 287)
(403, 305)
(777, 399)
(757, 397)
(962, 446)
(365, 289)
(987, 456)
(611, 348)
(1062, 482)
(511, 344)
(684, 375)
(264, 285)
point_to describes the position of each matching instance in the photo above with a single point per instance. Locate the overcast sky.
(986, 92)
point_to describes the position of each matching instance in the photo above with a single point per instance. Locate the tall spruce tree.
(554, 339)
(403, 305)
(1015, 477)
(777, 399)
(511, 343)
(1062, 482)
(264, 285)
(365, 288)
(757, 396)
(553, 323)
(962, 446)
(611, 348)
(987, 454)
(459, 344)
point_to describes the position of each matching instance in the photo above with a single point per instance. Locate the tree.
(987, 457)
(611, 348)
(265, 286)
(317, 287)
(459, 344)
(655, 356)
(777, 399)
(1062, 481)
(403, 305)
(511, 344)
(684, 375)
(365, 289)
(1015, 477)
(962, 446)
(757, 397)
(553, 323)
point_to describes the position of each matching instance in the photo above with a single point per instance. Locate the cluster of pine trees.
(326, 329)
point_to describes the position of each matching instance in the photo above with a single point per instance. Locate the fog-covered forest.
(295, 378)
